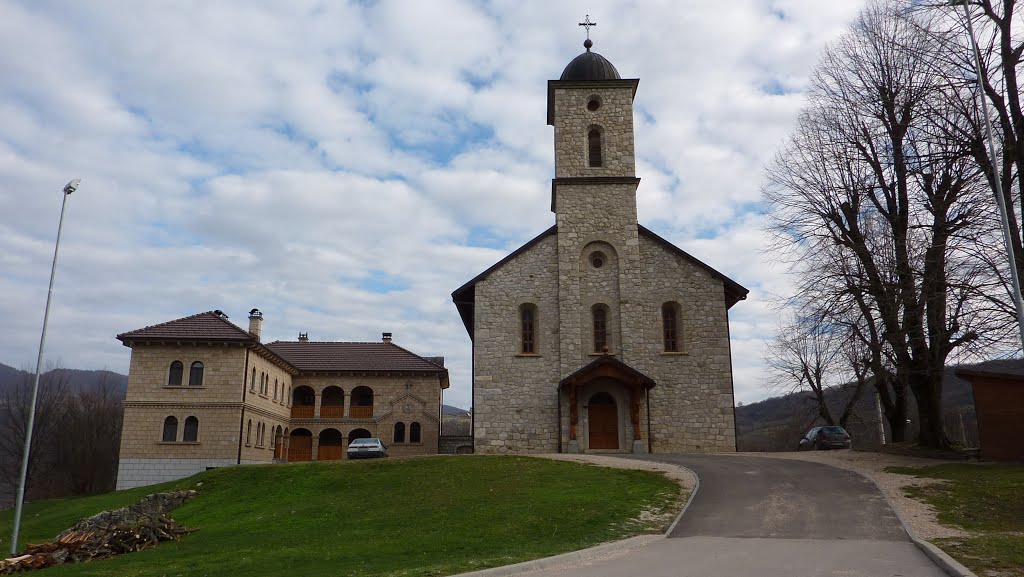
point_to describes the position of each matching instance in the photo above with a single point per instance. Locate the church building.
(598, 334)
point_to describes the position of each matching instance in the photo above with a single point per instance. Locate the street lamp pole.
(20, 499)
(1018, 301)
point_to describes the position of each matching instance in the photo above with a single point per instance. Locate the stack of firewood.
(110, 533)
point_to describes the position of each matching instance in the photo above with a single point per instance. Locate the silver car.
(367, 448)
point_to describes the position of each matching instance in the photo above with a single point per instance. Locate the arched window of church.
(600, 316)
(399, 432)
(528, 328)
(252, 381)
(670, 327)
(191, 434)
(195, 375)
(170, 430)
(175, 373)
(594, 147)
(414, 433)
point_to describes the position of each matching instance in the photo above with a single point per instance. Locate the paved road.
(768, 517)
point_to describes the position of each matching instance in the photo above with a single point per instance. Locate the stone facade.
(596, 284)
(246, 407)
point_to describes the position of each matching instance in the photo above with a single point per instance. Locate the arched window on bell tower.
(594, 136)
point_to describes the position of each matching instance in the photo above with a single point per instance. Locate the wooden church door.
(603, 419)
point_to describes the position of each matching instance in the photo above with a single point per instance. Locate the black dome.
(590, 66)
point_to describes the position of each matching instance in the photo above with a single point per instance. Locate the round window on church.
(593, 103)
(597, 259)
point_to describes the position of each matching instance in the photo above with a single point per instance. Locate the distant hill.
(451, 411)
(78, 379)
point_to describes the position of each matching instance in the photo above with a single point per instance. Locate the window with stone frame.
(594, 147)
(599, 313)
(170, 434)
(399, 436)
(252, 381)
(414, 433)
(528, 329)
(248, 433)
(275, 389)
(191, 433)
(195, 375)
(175, 374)
(670, 327)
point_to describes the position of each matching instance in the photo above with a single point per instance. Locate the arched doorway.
(330, 445)
(300, 445)
(603, 419)
(278, 443)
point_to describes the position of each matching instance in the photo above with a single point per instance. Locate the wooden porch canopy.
(607, 366)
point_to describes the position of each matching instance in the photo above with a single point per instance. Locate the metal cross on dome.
(587, 24)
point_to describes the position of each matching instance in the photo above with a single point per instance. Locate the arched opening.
(248, 433)
(358, 434)
(330, 445)
(528, 328)
(300, 445)
(278, 443)
(195, 375)
(303, 399)
(191, 434)
(399, 436)
(175, 373)
(594, 147)
(603, 420)
(599, 313)
(362, 403)
(332, 403)
(170, 430)
(670, 327)
(252, 381)
(414, 433)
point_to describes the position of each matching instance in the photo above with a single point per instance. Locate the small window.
(597, 259)
(600, 315)
(252, 381)
(399, 432)
(594, 147)
(528, 328)
(175, 374)
(414, 433)
(275, 389)
(594, 103)
(670, 327)
(248, 433)
(170, 430)
(191, 430)
(195, 375)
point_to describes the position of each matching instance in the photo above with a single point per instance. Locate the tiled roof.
(208, 326)
(357, 357)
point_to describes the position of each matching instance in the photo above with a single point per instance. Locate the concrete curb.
(951, 566)
(592, 552)
(572, 556)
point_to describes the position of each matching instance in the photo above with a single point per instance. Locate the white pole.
(20, 499)
(1000, 199)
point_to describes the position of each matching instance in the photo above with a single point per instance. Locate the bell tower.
(593, 196)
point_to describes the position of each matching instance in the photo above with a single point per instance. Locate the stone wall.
(573, 121)
(140, 472)
(456, 445)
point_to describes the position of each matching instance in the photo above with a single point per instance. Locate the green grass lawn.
(427, 516)
(986, 500)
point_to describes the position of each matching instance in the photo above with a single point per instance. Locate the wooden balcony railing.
(360, 412)
(302, 412)
(332, 411)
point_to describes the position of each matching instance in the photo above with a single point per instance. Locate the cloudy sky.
(345, 166)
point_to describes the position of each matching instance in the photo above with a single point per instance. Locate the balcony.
(332, 411)
(302, 411)
(361, 412)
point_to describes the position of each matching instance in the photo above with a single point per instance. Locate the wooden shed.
(999, 403)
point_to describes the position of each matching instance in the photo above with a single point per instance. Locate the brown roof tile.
(358, 357)
(208, 326)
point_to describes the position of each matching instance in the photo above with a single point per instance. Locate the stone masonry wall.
(515, 395)
(573, 121)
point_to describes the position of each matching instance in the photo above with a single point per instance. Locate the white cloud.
(342, 165)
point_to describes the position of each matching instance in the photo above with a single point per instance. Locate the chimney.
(386, 337)
(255, 323)
(303, 337)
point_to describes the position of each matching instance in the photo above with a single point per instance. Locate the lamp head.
(72, 186)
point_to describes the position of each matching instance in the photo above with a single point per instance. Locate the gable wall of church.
(514, 395)
(692, 405)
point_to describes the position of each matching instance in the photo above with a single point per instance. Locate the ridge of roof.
(344, 356)
(190, 328)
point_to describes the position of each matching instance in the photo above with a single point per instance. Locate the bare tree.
(882, 216)
(47, 431)
(89, 452)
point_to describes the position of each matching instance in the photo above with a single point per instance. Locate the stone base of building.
(142, 472)
(639, 446)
